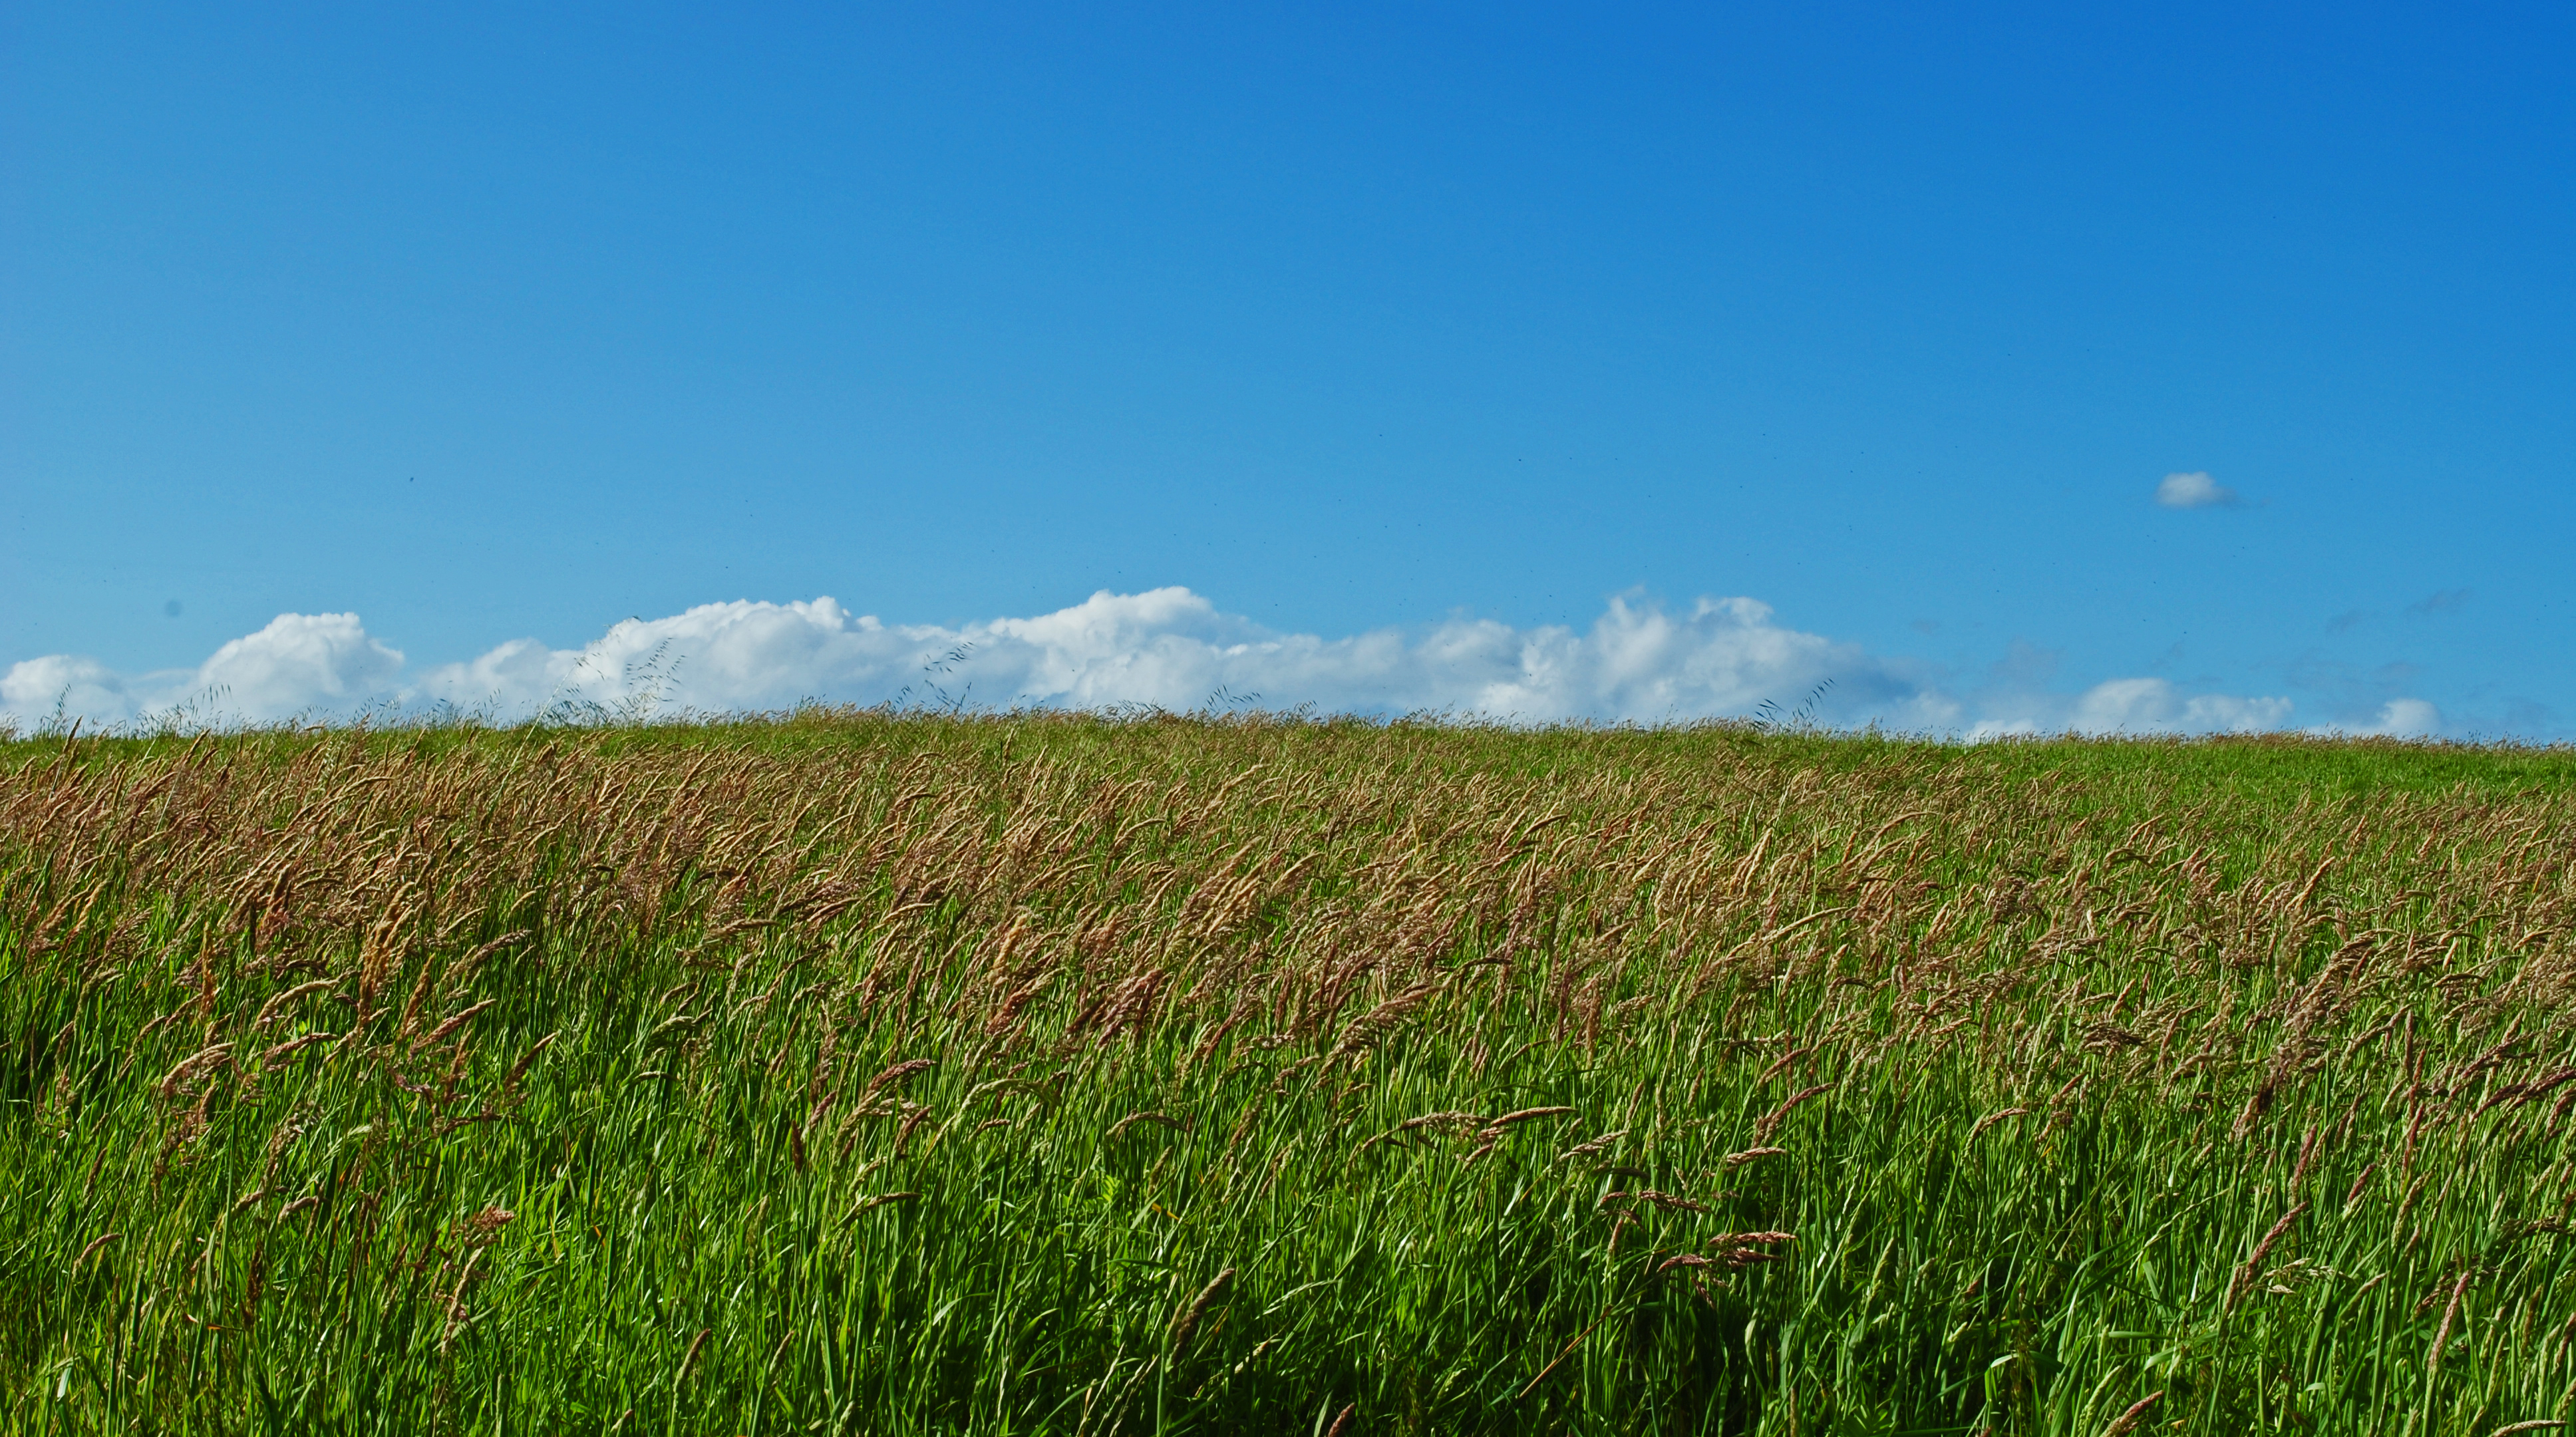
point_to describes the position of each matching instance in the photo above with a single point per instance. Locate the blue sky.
(1462, 332)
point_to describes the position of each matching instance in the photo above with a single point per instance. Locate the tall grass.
(1058, 1075)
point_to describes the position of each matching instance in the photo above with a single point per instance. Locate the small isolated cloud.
(2398, 718)
(2193, 491)
(2449, 601)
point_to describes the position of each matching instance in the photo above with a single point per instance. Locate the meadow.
(856, 1072)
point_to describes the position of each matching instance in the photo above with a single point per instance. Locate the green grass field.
(854, 1073)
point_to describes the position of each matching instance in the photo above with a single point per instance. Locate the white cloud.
(62, 687)
(2153, 706)
(300, 664)
(2398, 718)
(1639, 660)
(2140, 707)
(1171, 648)
(2193, 491)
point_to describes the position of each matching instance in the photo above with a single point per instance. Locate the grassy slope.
(1023, 1075)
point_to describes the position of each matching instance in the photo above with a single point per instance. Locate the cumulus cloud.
(2398, 718)
(1171, 648)
(59, 687)
(2154, 706)
(2193, 491)
(299, 664)
(1640, 660)
(2138, 707)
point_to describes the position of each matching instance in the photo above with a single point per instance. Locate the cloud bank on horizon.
(1165, 648)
